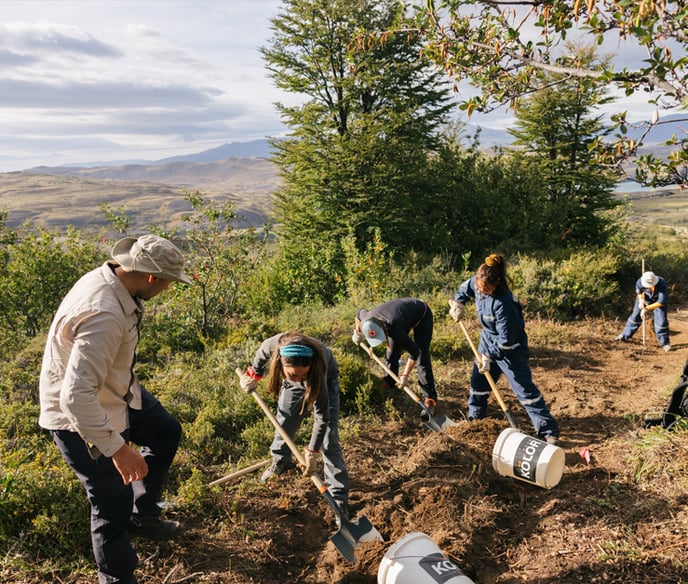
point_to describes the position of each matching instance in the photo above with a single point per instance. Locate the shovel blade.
(436, 424)
(445, 422)
(351, 534)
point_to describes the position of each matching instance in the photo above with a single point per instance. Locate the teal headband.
(295, 351)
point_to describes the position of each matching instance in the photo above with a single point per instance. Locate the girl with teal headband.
(303, 374)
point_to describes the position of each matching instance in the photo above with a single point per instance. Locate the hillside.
(599, 524)
(68, 196)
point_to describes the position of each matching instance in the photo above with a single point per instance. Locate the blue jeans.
(112, 502)
(659, 317)
(290, 418)
(517, 372)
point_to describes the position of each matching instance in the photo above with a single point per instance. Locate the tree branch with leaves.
(502, 48)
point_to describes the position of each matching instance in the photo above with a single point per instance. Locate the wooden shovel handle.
(389, 372)
(239, 473)
(490, 380)
(295, 449)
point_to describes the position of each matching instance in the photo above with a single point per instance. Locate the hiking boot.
(151, 527)
(621, 338)
(552, 440)
(276, 468)
(666, 348)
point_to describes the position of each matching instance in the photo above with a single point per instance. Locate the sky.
(96, 80)
(116, 80)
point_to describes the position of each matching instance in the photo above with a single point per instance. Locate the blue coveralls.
(325, 432)
(400, 317)
(658, 293)
(504, 340)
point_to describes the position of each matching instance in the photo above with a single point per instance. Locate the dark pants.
(113, 502)
(422, 335)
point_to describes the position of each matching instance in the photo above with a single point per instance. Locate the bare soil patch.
(596, 525)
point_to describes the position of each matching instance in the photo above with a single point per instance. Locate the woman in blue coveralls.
(503, 345)
(303, 374)
(651, 296)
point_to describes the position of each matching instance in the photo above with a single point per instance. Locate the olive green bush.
(582, 284)
(37, 268)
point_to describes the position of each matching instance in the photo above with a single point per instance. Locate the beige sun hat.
(151, 254)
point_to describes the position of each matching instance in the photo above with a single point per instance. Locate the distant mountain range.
(252, 149)
(488, 138)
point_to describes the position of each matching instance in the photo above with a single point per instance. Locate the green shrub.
(43, 507)
(581, 284)
(361, 393)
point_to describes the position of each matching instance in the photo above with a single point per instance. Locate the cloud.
(141, 79)
(49, 38)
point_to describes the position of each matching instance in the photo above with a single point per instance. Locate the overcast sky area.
(97, 80)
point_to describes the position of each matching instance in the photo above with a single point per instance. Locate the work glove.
(357, 337)
(484, 364)
(643, 313)
(455, 310)
(312, 458)
(249, 380)
(403, 381)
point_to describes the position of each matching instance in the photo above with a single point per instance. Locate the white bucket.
(416, 559)
(528, 459)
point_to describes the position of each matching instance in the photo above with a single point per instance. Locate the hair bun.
(493, 260)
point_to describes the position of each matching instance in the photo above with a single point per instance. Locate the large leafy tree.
(359, 153)
(555, 131)
(503, 47)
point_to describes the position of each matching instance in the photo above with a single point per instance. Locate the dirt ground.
(595, 525)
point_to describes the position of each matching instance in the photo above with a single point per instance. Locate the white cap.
(373, 331)
(649, 279)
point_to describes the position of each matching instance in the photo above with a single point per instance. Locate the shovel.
(350, 534)
(239, 473)
(436, 424)
(490, 380)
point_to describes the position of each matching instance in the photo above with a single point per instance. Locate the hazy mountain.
(256, 148)
(487, 137)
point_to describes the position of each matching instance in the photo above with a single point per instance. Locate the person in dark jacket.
(303, 374)
(393, 322)
(503, 345)
(651, 296)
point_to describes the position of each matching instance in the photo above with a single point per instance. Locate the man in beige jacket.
(95, 408)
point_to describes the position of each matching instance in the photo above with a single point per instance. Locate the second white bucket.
(416, 559)
(528, 459)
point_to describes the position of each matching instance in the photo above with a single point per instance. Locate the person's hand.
(248, 383)
(484, 364)
(357, 337)
(455, 310)
(403, 381)
(643, 313)
(130, 464)
(312, 458)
